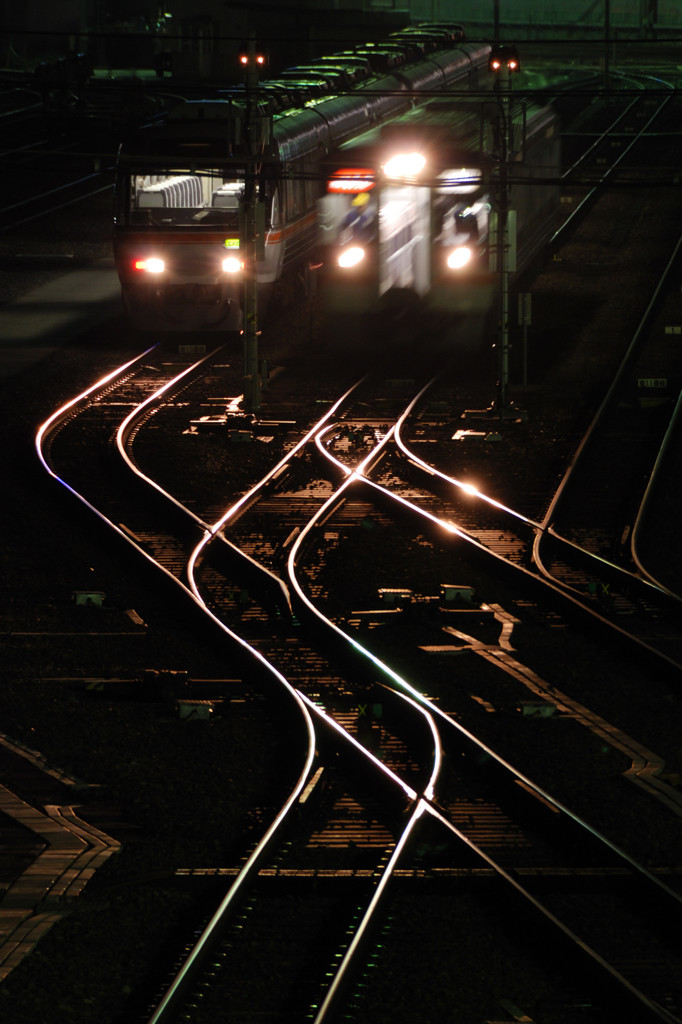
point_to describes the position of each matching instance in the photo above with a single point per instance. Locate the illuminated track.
(324, 516)
(645, 766)
(393, 680)
(425, 800)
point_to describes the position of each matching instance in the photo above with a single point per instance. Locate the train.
(411, 207)
(179, 218)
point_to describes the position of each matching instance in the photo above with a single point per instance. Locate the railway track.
(73, 130)
(298, 668)
(80, 168)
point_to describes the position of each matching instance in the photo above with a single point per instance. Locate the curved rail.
(652, 484)
(438, 719)
(546, 526)
(175, 990)
(395, 680)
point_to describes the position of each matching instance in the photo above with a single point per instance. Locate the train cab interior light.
(150, 265)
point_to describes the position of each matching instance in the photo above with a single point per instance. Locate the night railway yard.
(371, 710)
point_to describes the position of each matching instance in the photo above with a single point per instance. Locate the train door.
(404, 238)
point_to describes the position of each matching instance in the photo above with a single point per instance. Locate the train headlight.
(150, 265)
(404, 165)
(232, 265)
(459, 257)
(351, 257)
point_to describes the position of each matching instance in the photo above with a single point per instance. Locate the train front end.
(406, 225)
(177, 273)
(178, 231)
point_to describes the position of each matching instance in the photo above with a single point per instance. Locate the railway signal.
(504, 58)
(251, 57)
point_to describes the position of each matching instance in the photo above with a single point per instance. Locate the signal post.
(252, 225)
(504, 62)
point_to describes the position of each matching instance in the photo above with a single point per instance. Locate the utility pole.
(251, 226)
(504, 86)
(607, 43)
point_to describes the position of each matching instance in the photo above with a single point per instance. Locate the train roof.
(213, 129)
(454, 30)
(436, 122)
(356, 69)
(450, 127)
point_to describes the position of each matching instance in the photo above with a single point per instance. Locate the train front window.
(184, 198)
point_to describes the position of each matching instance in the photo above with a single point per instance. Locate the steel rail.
(122, 440)
(575, 214)
(653, 1010)
(395, 680)
(59, 206)
(541, 529)
(645, 774)
(546, 526)
(171, 997)
(182, 979)
(653, 484)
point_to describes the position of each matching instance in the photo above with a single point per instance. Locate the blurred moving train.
(179, 219)
(409, 217)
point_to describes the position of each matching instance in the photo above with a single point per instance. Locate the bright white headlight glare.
(232, 265)
(351, 257)
(459, 257)
(151, 265)
(404, 165)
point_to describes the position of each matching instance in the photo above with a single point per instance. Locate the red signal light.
(504, 57)
(249, 55)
